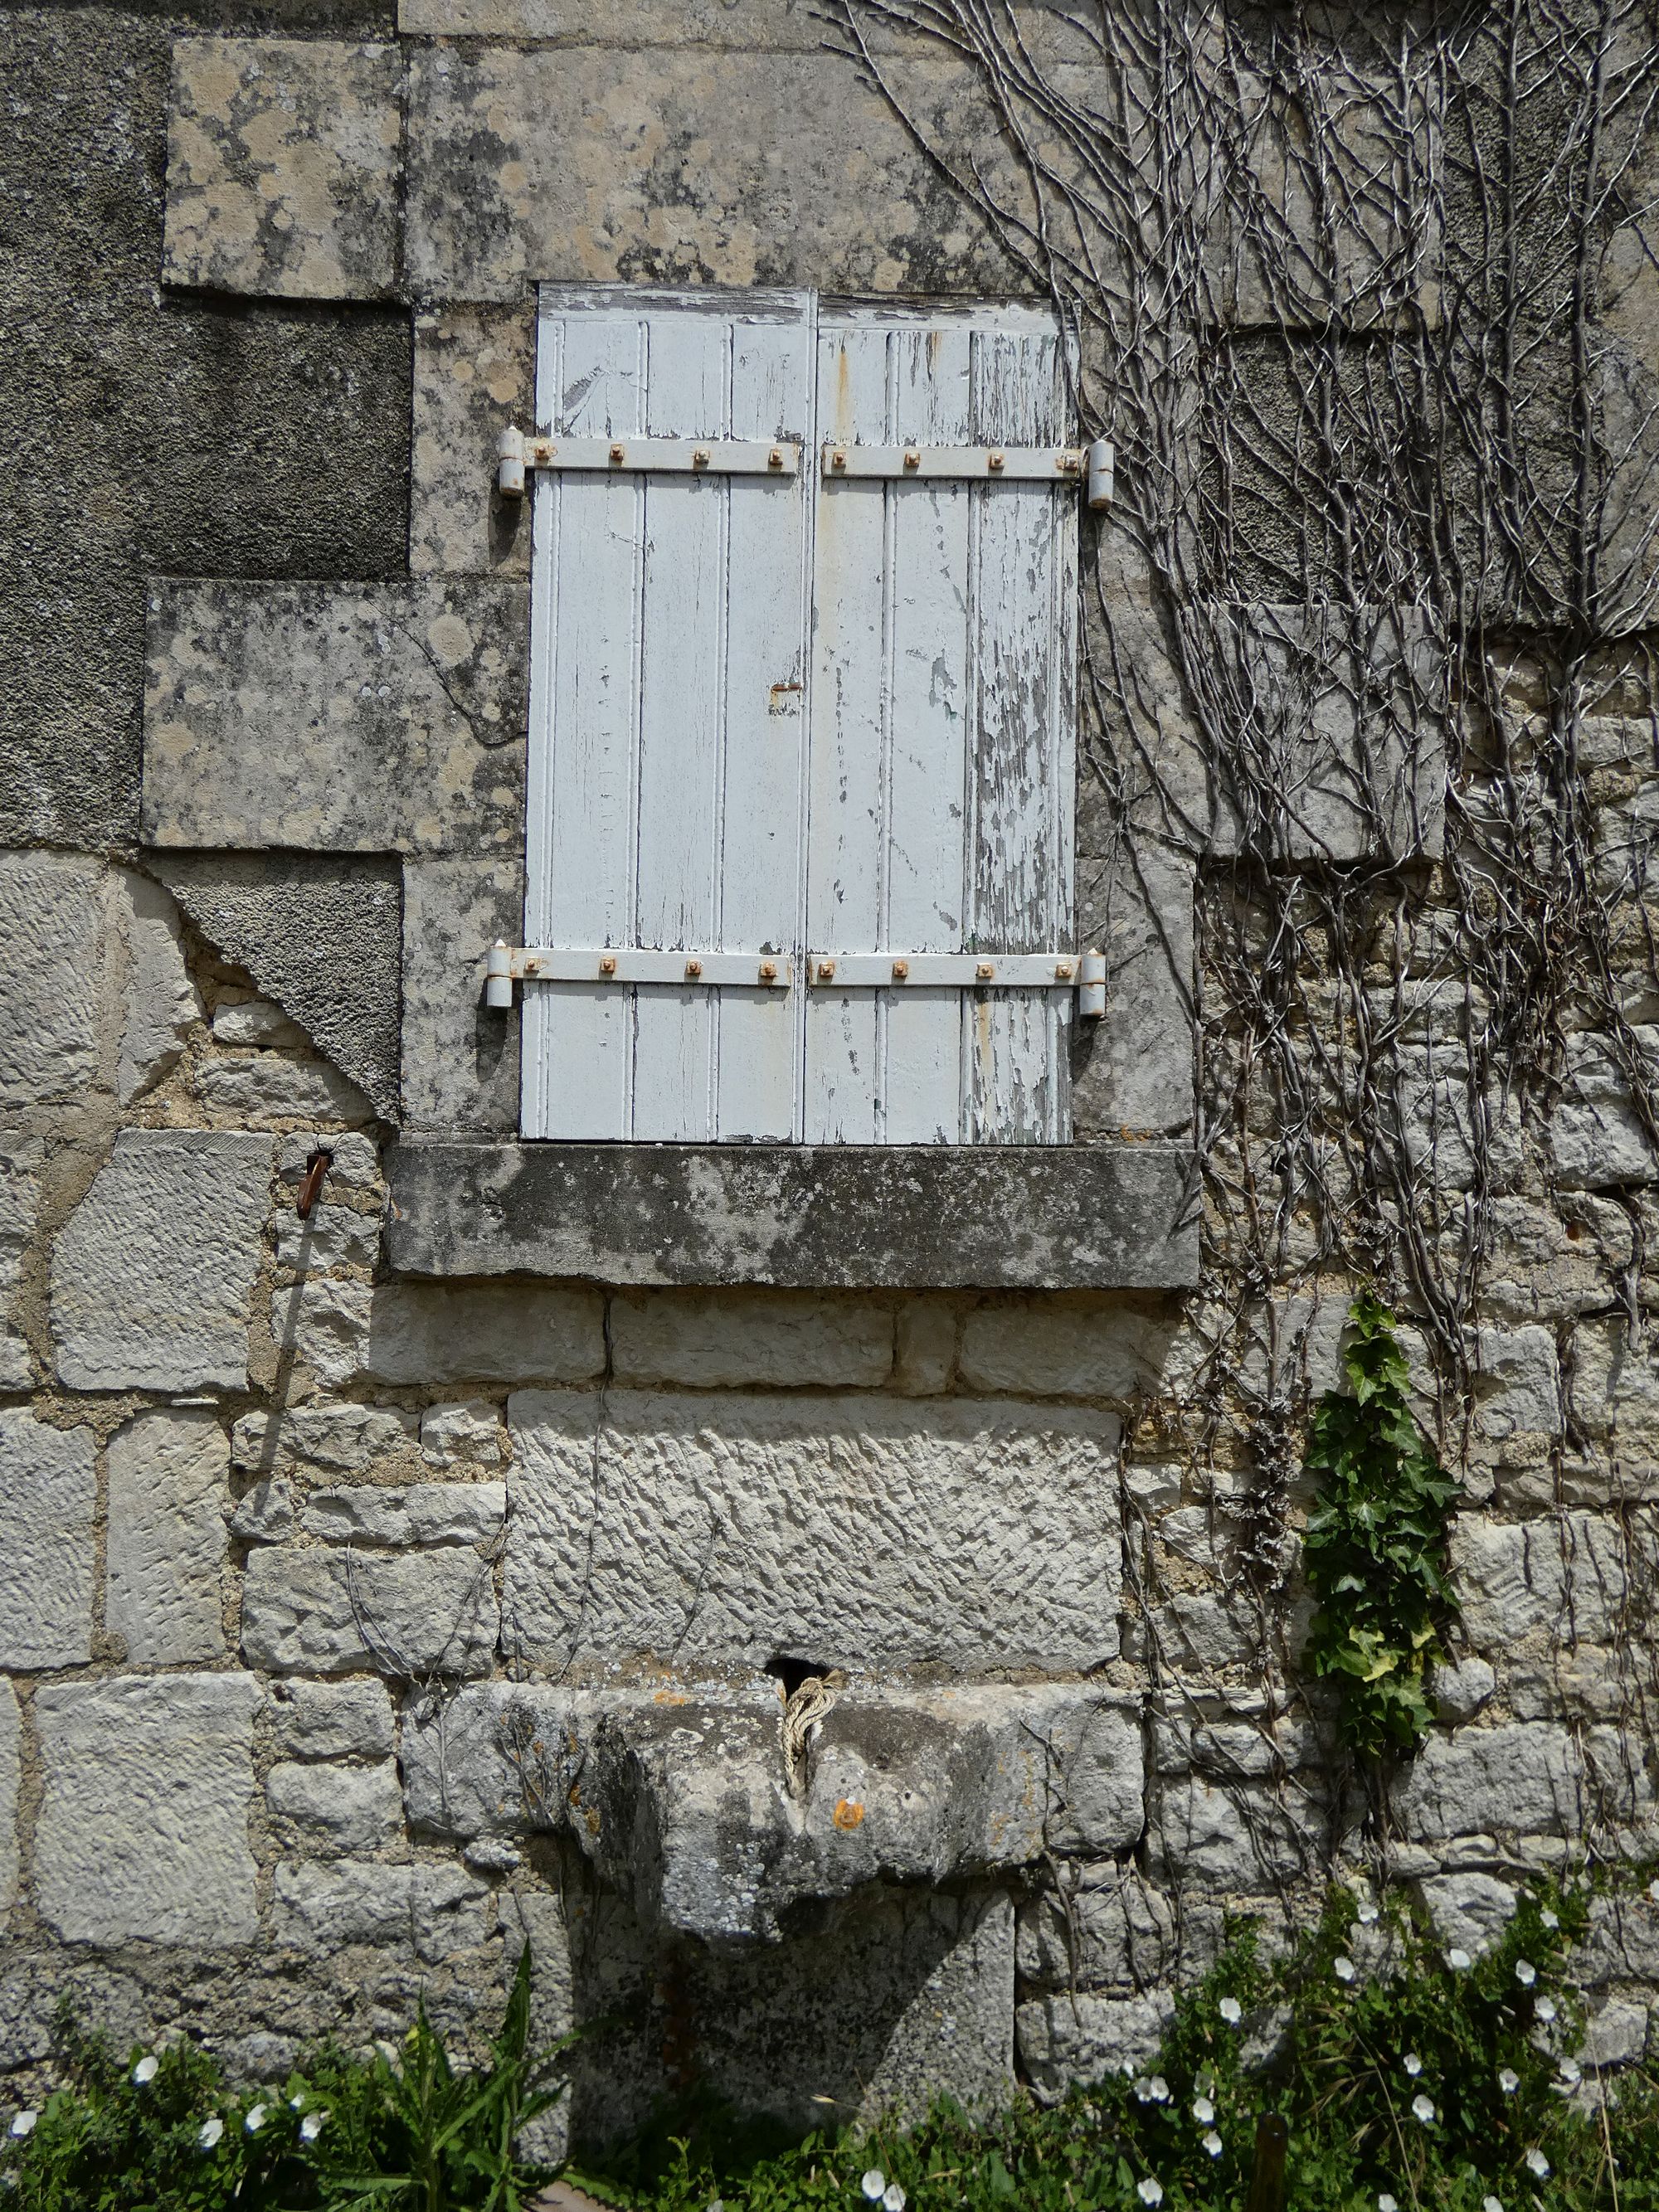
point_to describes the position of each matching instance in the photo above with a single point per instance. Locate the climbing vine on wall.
(1376, 1545)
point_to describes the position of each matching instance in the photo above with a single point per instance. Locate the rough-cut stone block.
(1066, 2039)
(470, 1435)
(1528, 1778)
(1115, 1932)
(340, 1439)
(474, 374)
(142, 1831)
(265, 1514)
(333, 1811)
(1132, 1073)
(1617, 2035)
(433, 1912)
(772, 26)
(1518, 1389)
(168, 1486)
(725, 1339)
(1054, 1349)
(423, 1513)
(282, 167)
(925, 1340)
(460, 1058)
(341, 718)
(329, 1236)
(1470, 1911)
(162, 1003)
(51, 926)
(1244, 1837)
(356, 1164)
(151, 1276)
(1568, 1575)
(1597, 1139)
(11, 1774)
(20, 1189)
(427, 1333)
(332, 1720)
(256, 1025)
(858, 1532)
(332, 1612)
(268, 1088)
(47, 1480)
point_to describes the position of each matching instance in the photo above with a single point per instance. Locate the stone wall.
(358, 1626)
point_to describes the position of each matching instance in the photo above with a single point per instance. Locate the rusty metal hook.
(310, 1189)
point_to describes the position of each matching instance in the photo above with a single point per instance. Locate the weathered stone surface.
(1597, 1140)
(330, 1812)
(162, 1003)
(1481, 1780)
(265, 1514)
(332, 1720)
(397, 711)
(422, 1513)
(777, 198)
(1518, 1389)
(460, 1057)
(267, 1088)
(168, 1478)
(11, 1772)
(52, 919)
(1617, 2035)
(859, 1531)
(830, 1217)
(773, 25)
(1622, 1942)
(1616, 1395)
(152, 1274)
(1066, 1351)
(321, 934)
(1566, 1575)
(1245, 1838)
(535, 1918)
(282, 167)
(1117, 1932)
(46, 1560)
(323, 1612)
(1063, 2039)
(433, 1912)
(21, 1159)
(428, 1333)
(778, 1338)
(470, 1435)
(356, 1161)
(1470, 1911)
(142, 1830)
(925, 1346)
(1459, 1693)
(1131, 1074)
(340, 1439)
(256, 1025)
(331, 1236)
(474, 374)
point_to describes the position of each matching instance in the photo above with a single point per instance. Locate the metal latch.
(625, 967)
(1090, 465)
(518, 450)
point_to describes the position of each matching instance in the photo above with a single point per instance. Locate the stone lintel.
(811, 1217)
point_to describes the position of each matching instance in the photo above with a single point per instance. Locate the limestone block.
(342, 718)
(712, 1339)
(1203, 1634)
(46, 1560)
(1616, 1395)
(257, 1025)
(267, 1087)
(1127, 1935)
(469, 1434)
(355, 1165)
(460, 1058)
(434, 1911)
(925, 1346)
(1568, 1574)
(1063, 2039)
(1468, 1910)
(474, 374)
(422, 1513)
(513, 174)
(20, 1190)
(142, 1831)
(332, 1812)
(1458, 1693)
(169, 1485)
(264, 1514)
(1236, 1750)
(1244, 1837)
(323, 1612)
(432, 1334)
(857, 1531)
(282, 167)
(161, 1003)
(152, 1275)
(340, 1439)
(1065, 1348)
(51, 927)
(1617, 2035)
(11, 1775)
(773, 25)
(1597, 1140)
(332, 1720)
(331, 1236)
(1132, 1073)
(1518, 1388)
(1480, 1781)
(536, 1918)
(1621, 1943)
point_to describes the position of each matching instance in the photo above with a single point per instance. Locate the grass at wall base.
(1406, 2073)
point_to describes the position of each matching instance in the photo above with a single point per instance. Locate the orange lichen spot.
(848, 1814)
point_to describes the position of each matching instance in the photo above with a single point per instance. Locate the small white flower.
(146, 2068)
(1653, 1890)
(1151, 2191)
(1458, 1960)
(1525, 1972)
(1386, 2203)
(715, 2204)
(874, 2185)
(1127, 2070)
(1423, 2109)
(892, 2198)
(1509, 2081)
(1143, 2091)
(211, 2132)
(255, 2120)
(312, 2126)
(1231, 2010)
(1345, 1970)
(1212, 2143)
(1414, 2064)
(1538, 2164)
(1571, 2071)
(1368, 1914)
(1203, 2110)
(1491, 2204)
(1550, 1919)
(1158, 2089)
(1545, 2009)
(23, 2124)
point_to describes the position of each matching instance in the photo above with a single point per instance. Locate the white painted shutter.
(667, 740)
(943, 745)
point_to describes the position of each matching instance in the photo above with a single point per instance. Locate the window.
(802, 731)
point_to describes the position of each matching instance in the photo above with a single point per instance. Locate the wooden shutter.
(668, 735)
(942, 763)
